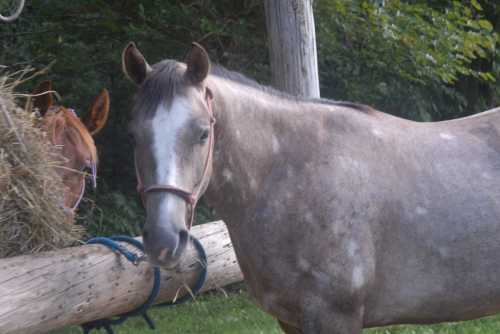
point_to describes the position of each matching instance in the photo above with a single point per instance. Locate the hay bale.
(31, 216)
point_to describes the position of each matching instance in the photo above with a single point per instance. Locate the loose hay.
(31, 192)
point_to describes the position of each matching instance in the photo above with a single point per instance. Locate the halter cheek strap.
(82, 191)
(93, 167)
(191, 198)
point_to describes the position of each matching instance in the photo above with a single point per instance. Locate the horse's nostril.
(183, 237)
(163, 256)
(164, 244)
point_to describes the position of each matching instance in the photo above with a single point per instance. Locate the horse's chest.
(266, 271)
(271, 292)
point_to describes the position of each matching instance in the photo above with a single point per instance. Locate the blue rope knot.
(112, 243)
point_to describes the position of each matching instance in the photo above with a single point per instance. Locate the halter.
(191, 198)
(93, 168)
(80, 197)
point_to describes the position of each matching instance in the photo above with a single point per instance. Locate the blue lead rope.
(112, 243)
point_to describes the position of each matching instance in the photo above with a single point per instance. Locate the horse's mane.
(224, 73)
(167, 74)
(72, 121)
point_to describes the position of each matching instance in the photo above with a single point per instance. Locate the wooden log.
(50, 290)
(292, 46)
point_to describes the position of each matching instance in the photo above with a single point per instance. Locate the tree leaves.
(416, 49)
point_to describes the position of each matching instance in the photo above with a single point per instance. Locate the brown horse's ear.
(43, 102)
(134, 65)
(198, 64)
(98, 115)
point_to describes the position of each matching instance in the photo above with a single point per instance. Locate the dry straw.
(31, 216)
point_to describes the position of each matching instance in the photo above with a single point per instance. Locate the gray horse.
(342, 217)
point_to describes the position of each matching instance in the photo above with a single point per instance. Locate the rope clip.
(138, 259)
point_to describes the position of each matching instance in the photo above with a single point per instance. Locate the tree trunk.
(292, 46)
(50, 290)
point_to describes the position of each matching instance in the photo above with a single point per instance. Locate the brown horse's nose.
(164, 245)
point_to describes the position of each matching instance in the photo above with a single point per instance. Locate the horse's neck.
(249, 137)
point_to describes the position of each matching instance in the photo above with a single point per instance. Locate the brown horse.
(74, 138)
(341, 216)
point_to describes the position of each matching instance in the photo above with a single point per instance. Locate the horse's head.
(173, 130)
(74, 137)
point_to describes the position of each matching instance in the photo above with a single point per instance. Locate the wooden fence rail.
(50, 290)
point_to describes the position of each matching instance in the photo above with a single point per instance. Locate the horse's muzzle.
(164, 246)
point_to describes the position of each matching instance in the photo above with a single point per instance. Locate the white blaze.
(166, 126)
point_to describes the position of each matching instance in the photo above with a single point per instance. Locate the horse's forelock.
(159, 87)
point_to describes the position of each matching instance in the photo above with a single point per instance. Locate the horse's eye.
(87, 167)
(131, 137)
(204, 135)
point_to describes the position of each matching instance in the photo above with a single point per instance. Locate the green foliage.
(86, 38)
(409, 58)
(111, 212)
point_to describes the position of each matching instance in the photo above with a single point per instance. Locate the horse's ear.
(43, 102)
(198, 64)
(98, 115)
(134, 65)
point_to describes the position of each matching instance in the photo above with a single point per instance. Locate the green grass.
(209, 314)
(490, 325)
(217, 314)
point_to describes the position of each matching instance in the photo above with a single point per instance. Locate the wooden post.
(50, 290)
(292, 46)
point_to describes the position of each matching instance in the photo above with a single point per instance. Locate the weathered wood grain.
(292, 46)
(72, 286)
